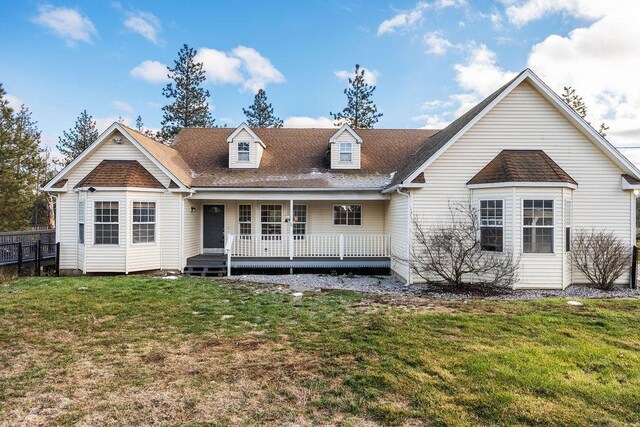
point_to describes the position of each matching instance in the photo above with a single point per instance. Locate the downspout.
(409, 231)
(181, 239)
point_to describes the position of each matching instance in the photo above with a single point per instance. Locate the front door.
(213, 228)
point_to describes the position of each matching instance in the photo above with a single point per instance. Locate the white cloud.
(403, 20)
(66, 23)
(122, 106)
(261, 71)
(102, 123)
(432, 121)
(308, 122)
(151, 71)
(600, 61)
(243, 65)
(14, 102)
(436, 44)
(480, 75)
(521, 12)
(410, 18)
(370, 76)
(220, 67)
(144, 23)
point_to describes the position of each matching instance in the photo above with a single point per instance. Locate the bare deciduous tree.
(600, 256)
(452, 251)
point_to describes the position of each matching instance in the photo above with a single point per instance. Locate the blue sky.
(430, 59)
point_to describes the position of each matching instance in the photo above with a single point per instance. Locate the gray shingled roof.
(440, 139)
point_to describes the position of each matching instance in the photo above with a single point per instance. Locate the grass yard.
(136, 350)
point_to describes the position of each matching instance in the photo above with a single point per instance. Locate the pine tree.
(360, 111)
(260, 113)
(74, 141)
(148, 132)
(189, 106)
(577, 103)
(21, 168)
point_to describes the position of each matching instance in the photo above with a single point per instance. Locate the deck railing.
(311, 245)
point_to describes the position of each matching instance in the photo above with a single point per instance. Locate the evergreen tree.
(576, 102)
(74, 141)
(148, 132)
(139, 124)
(360, 111)
(22, 166)
(260, 113)
(189, 106)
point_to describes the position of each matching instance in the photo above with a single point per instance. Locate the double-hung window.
(243, 151)
(568, 221)
(144, 222)
(299, 221)
(244, 221)
(346, 151)
(537, 226)
(271, 222)
(81, 222)
(491, 225)
(347, 215)
(106, 228)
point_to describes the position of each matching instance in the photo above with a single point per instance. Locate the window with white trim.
(347, 215)
(81, 213)
(346, 151)
(106, 227)
(491, 225)
(537, 226)
(243, 151)
(568, 221)
(299, 221)
(244, 221)
(271, 222)
(144, 222)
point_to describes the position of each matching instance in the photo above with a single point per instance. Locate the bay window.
(144, 222)
(537, 226)
(106, 223)
(491, 225)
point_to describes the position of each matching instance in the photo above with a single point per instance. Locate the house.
(221, 199)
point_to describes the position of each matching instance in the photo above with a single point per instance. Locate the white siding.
(67, 226)
(255, 152)
(525, 120)
(106, 258)
(112, 151)
(397, 226)
(192, 229)
(345, 136)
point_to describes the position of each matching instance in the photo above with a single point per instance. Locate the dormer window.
(346, 151)
(243, 151)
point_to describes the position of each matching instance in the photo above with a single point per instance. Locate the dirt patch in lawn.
(244, 380)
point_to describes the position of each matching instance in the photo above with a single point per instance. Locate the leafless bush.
(453, 252)
(600, 256)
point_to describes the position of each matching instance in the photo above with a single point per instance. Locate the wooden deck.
(215, 264)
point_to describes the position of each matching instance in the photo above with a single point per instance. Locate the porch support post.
(291, 229)
(341, 246)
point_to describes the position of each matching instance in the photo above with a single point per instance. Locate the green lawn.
(135, 350)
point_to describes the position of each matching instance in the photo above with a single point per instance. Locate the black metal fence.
(32, 248)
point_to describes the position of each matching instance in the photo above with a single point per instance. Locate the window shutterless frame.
(244, 151)
(245, 214)
(344, 214)
(143, 219)
(299, 220)
(346, 151)
(547, 205)
(106, 223)
(81, 214)
(491, 216)
(271, 221)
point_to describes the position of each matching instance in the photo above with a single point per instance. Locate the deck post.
(229, 258)
(291, 229)
(57, 259)
(38, 257)
(341, 246)
(19, 257)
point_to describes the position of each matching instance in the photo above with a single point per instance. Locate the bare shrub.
(600, 256)
(452, 251)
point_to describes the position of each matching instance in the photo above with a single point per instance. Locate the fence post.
(634, 267)
(38, 261)
(19, 257)
(57, 259)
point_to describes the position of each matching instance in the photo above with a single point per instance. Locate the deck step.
(206, 270)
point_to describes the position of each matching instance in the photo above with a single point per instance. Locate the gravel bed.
(393, 286)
